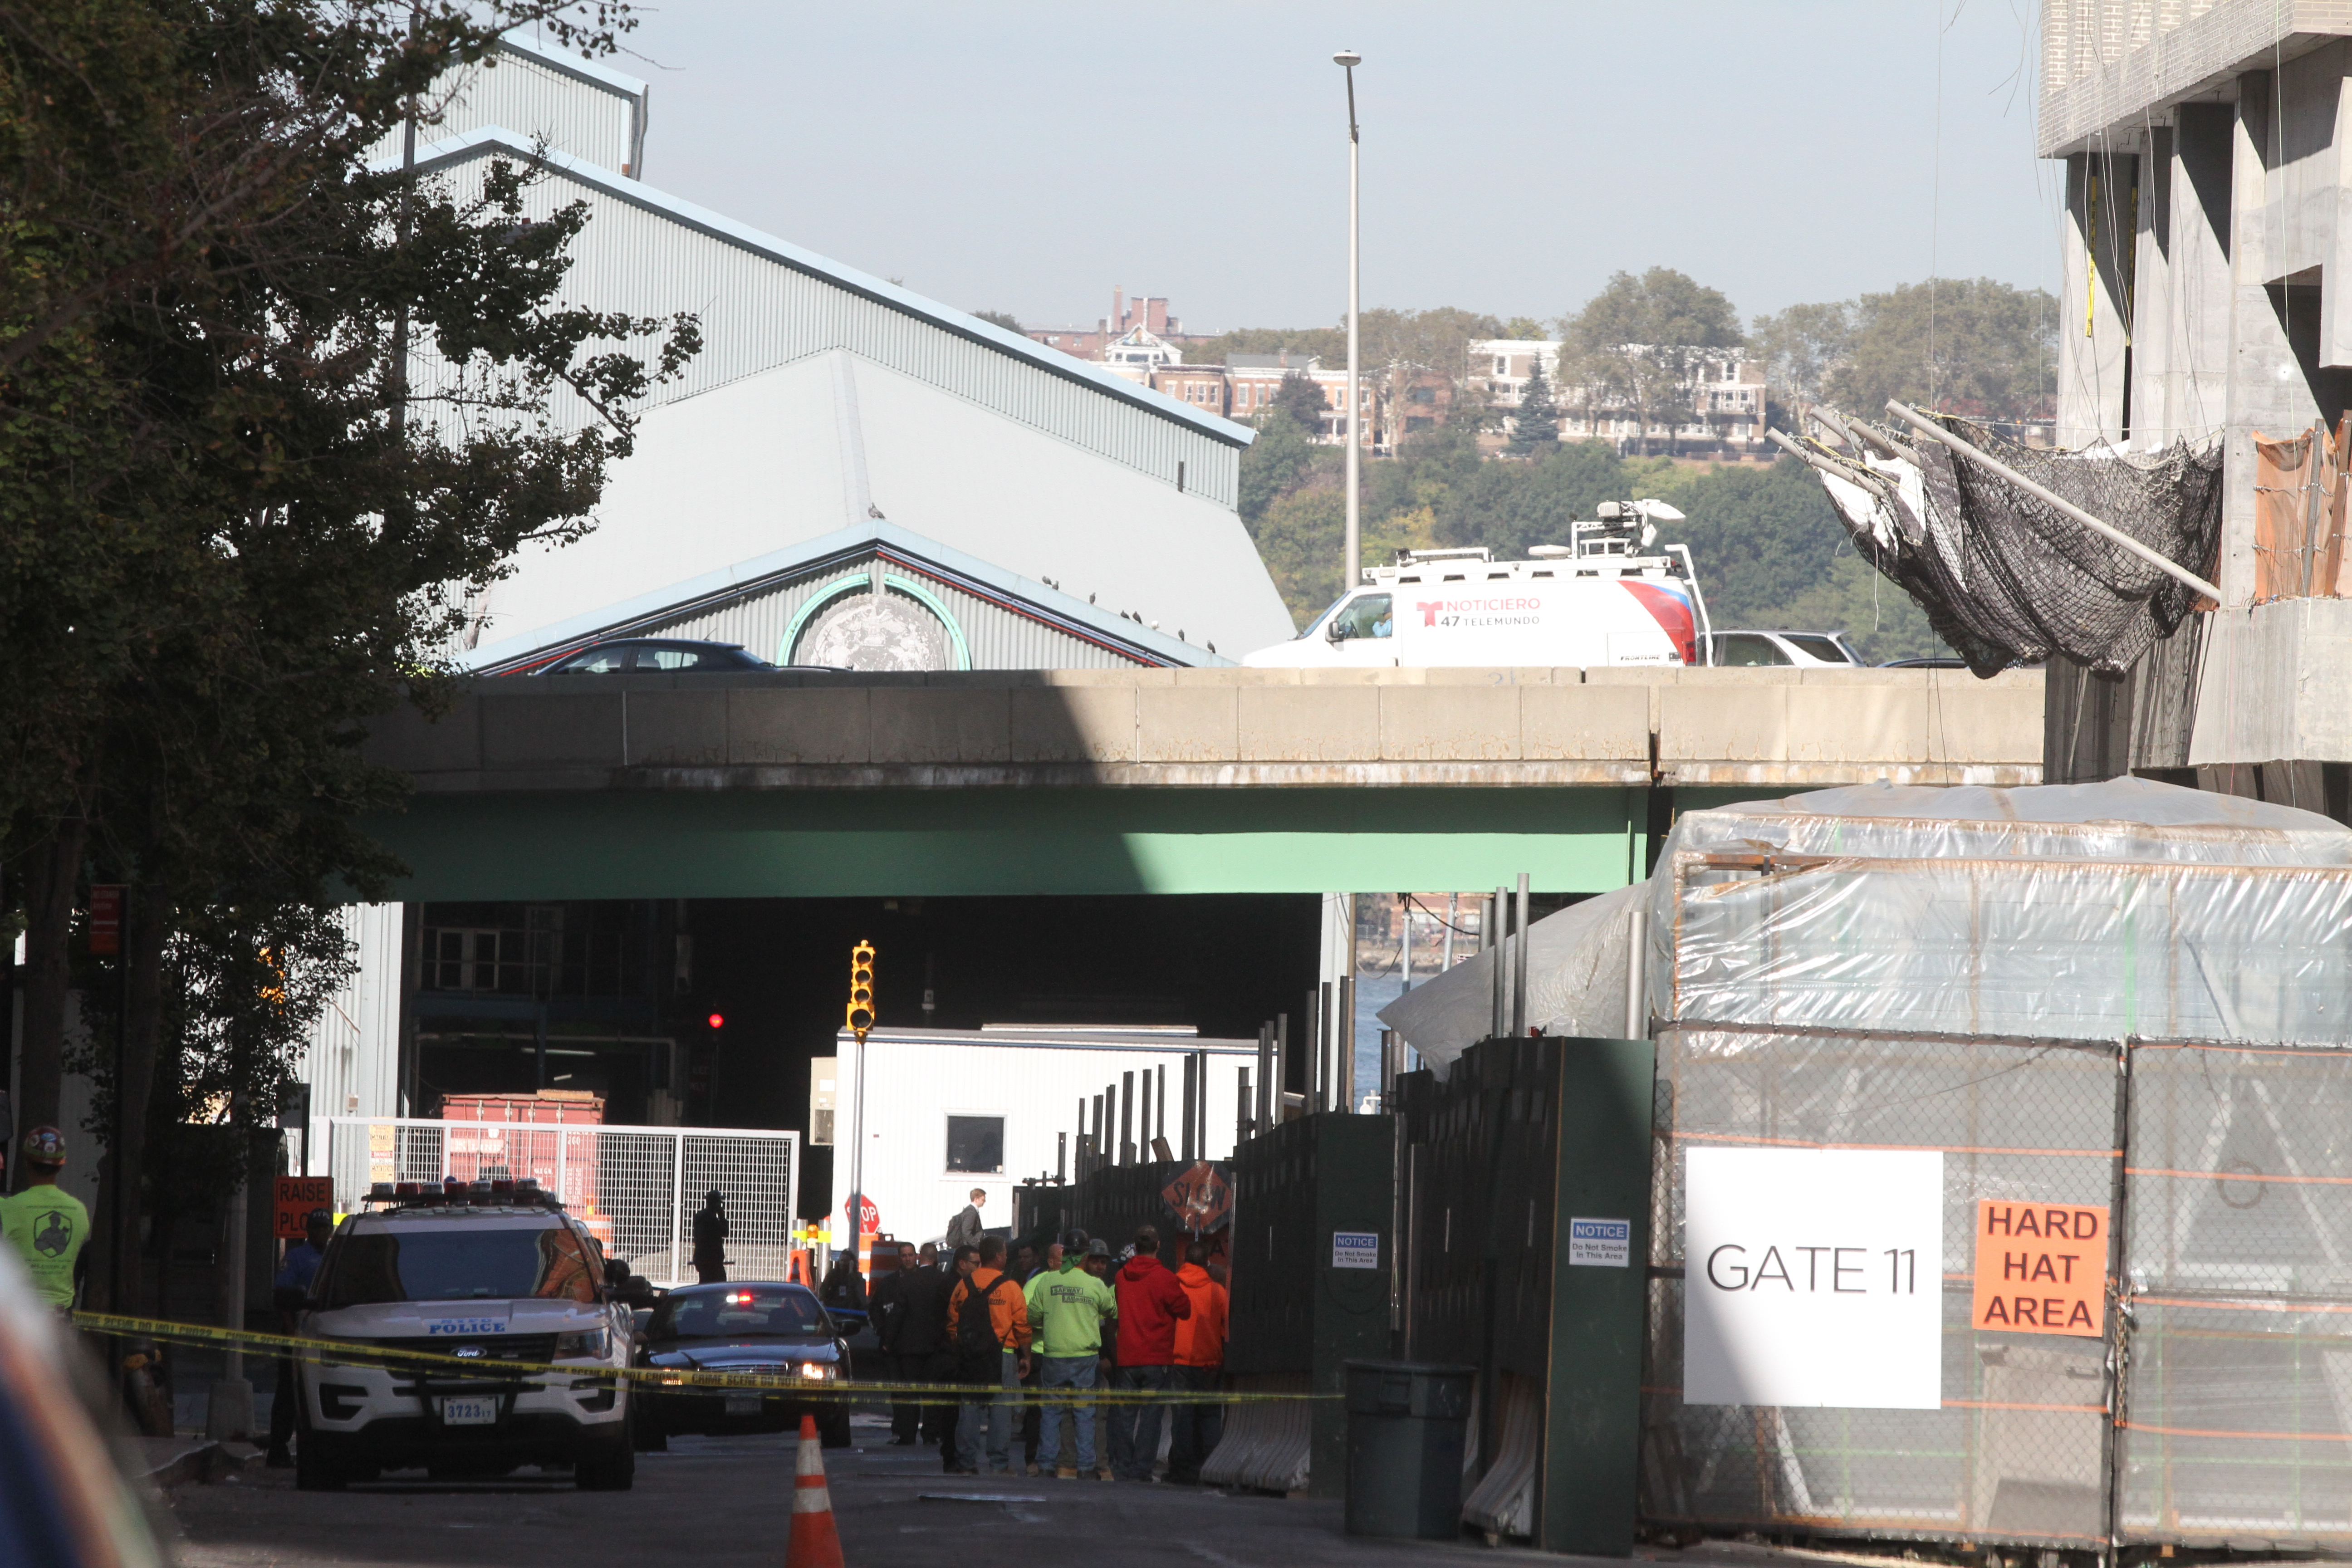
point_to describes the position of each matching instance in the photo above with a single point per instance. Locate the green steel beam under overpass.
(655, 843)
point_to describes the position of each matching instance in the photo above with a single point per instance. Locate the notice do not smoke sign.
(1814, 1277)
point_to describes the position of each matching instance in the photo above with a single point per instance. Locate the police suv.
(489, 1271)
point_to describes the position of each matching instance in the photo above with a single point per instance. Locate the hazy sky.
(1028, 156)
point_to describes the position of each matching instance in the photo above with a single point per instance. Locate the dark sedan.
(756, 1328)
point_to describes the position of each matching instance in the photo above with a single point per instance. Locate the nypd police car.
(486, 1271)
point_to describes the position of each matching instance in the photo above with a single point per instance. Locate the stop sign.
(868, 1213)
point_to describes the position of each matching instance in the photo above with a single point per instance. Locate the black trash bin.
(1406, 1422)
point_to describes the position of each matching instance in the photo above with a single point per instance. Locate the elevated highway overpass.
(802, 785)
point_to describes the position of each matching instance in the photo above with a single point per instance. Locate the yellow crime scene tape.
(359, 1352)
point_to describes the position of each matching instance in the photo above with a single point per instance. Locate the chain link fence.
(2216, 1409)
(635, 1187)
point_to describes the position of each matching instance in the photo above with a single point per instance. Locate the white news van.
(1611, 597)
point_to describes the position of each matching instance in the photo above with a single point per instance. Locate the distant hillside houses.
(1724, 396)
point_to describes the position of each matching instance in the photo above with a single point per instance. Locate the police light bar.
(379, 1193)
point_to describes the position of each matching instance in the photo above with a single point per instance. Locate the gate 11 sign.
(2041, 1268)
(1814, 1277)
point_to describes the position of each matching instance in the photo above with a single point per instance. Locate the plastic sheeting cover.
(2073, 911)
(2083, 912)
(1576, 984)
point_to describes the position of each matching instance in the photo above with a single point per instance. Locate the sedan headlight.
(595, 1342)
(820, 1370)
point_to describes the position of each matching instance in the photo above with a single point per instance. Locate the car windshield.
(459, 1263)
(737, 1310)
(1823, 648)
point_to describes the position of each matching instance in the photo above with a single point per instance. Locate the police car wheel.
(613, 1469)
(313, 1471)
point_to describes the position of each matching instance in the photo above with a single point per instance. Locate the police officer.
(711, 1238)
(47, 1225)
(289, 1293)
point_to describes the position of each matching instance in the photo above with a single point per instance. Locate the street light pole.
(1353, 568)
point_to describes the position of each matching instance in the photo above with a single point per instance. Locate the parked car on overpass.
(653, 655)
(1817, 650)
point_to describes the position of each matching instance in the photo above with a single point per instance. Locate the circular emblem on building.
(866, 631)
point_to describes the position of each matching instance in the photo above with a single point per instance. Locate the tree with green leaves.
(1535, 429)
(1300, 400)
(1966, 345)
(1328, 345)
(1282, 460)
(1005, 319)
(1642, 344)
(238, 522)
(1800, 347)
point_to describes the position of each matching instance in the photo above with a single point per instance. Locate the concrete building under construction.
(2207, 242)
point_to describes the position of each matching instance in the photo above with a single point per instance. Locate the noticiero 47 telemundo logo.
(1509, 611)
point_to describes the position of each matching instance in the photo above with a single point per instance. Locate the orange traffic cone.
(814, 1543)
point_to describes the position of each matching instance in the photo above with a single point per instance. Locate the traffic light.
(859, 1016)
(717, 1021)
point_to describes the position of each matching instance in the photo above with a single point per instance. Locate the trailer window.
(976, 1145)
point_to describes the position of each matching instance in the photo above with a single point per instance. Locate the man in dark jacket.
(903, 1316)
(916, 1336)
(1150, 1300)
(965, 1229)
(711, 1238)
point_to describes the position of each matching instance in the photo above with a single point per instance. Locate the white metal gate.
(635, 1187)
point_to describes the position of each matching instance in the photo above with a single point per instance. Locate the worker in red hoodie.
(1200, 1361)
(1150, 1302)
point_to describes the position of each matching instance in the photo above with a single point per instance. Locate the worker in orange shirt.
(988, 1319)
(1200, 1365)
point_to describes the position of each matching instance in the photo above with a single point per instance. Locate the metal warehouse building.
(848, 474)
(1023, 508)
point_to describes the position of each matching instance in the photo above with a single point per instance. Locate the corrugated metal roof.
(534, 90)
(767, 303)
(1009, 622)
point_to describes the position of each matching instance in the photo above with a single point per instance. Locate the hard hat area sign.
(1814, 1277)
(2041, 1268)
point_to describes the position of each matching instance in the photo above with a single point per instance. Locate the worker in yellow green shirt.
(46, 1225)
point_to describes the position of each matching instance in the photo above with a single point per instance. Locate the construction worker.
(48, 1226)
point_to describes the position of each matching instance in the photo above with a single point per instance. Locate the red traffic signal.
(718, 1020)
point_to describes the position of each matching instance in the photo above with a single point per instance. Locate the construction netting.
(2006, 578)
(2126, 1000)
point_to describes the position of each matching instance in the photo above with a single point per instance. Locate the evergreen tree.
(1303, 400)
(1537, 432)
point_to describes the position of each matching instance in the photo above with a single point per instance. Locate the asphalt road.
(714, 1503)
